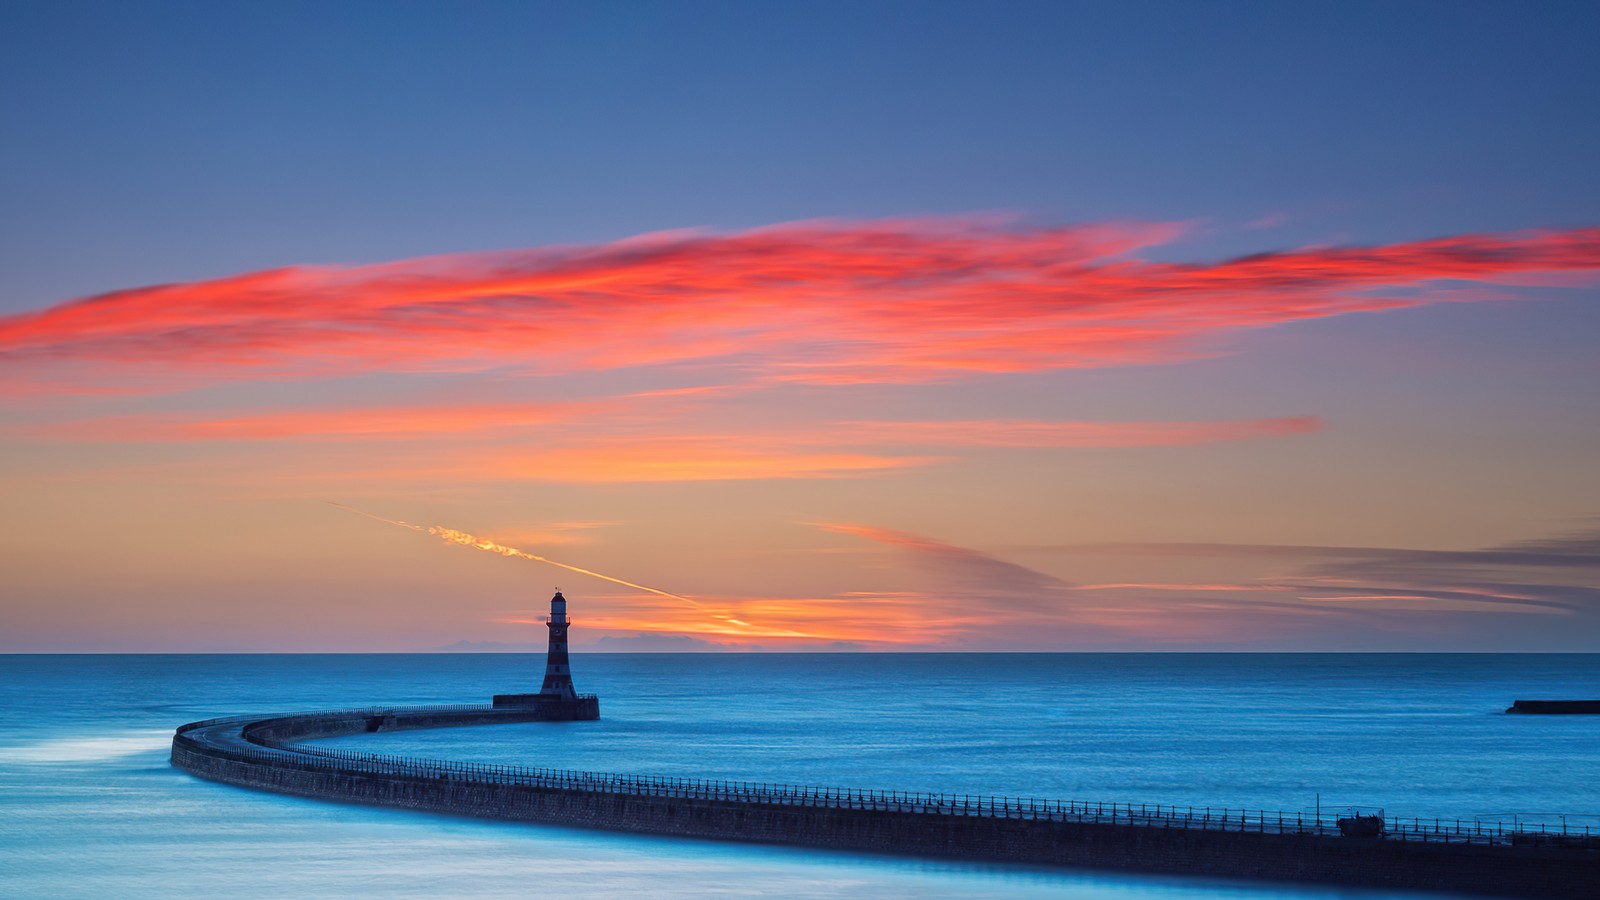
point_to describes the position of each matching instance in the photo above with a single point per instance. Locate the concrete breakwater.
(1471, 858)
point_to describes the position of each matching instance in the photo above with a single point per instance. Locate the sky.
(1056, 326)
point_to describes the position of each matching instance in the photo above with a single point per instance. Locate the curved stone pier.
(266, 752)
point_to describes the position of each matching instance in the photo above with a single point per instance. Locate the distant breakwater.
(1500, 859)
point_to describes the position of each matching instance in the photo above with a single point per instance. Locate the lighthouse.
(557, 668)
(556, 699)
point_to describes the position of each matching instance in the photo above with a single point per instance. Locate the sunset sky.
(882, 326)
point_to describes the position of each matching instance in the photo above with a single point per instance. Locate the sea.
(90, 807)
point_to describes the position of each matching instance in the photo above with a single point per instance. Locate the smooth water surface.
(89, 805)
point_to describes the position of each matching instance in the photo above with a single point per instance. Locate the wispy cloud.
(1010, 605)
(1557, 574)
(961, 569)
(952, 596)
(1466, 597)
(668, 458)
(822, 302)
(1032, 433)
(333, 424)
(632, 439)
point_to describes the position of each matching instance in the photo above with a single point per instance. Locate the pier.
(1495, 859)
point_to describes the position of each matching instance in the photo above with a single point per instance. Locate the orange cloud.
(634, 438)
(686, 459)
(834, 450)
(831, 302)
(886, 619)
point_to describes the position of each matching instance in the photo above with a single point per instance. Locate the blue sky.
(182, 140)
(1065, 276)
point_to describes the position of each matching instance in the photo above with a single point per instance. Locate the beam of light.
(451, 535)
(733, 625)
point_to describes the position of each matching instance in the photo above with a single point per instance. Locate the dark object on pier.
(1361, 826)
(1556, 707)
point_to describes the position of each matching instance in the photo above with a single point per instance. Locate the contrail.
(461, 537)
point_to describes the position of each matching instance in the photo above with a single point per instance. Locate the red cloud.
(372, 423)
(819, 301)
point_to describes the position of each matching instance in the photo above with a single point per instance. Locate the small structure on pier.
(556, 694)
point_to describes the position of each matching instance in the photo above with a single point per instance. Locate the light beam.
(453, 536)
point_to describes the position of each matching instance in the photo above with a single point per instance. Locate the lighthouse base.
(547, 707)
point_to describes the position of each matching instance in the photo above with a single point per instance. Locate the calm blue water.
(89, 806)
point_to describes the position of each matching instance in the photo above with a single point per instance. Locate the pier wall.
(247, 753)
